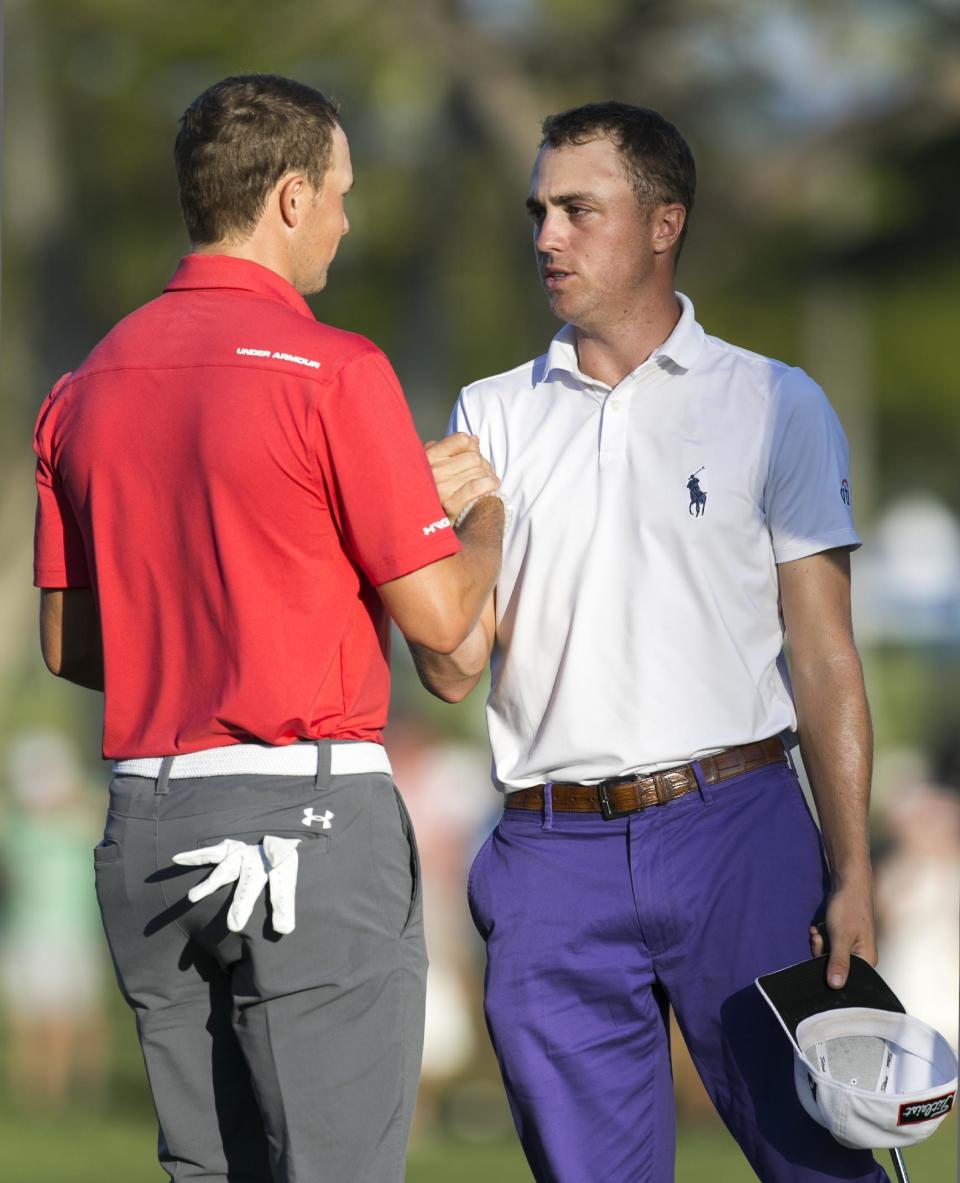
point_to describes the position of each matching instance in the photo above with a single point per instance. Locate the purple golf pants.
(593, 928)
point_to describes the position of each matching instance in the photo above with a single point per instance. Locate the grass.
(82, 1148)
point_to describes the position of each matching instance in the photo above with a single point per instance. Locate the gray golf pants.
(272, 1059)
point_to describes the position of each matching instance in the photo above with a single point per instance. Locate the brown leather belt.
(619, 795)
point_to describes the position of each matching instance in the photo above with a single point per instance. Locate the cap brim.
(801, 990)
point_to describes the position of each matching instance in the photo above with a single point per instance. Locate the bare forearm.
(70, 636)
(451, 676)
(481, 537)
(464, 479)
(836, 741)
(837, 744)
(439, 605)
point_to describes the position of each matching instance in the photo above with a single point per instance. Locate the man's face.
(324, 220)
(593, 241)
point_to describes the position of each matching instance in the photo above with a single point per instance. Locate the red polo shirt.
(234, 480)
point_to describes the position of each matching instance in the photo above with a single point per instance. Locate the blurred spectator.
(50, 938)
(918, 898)
(693, 1103)
(446, 786)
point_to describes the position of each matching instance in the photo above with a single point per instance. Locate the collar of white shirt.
(677, 354)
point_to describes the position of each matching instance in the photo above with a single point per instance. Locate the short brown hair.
(237, 140)
(656, 157)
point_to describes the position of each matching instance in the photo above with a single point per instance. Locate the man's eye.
(576, 211)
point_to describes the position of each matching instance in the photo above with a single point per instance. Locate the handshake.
(273, 861)
(463, 476)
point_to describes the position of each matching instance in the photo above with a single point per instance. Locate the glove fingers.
(204, 854)
(283, 893)
(250, 883)
(249, 867)
(220, 876)
(277, 849)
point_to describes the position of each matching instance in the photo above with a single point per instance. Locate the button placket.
(613, 426)
(616, 411)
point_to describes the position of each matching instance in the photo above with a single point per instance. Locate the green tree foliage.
(825, 137)
(825, 230)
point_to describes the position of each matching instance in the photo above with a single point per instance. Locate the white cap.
(872, 1075)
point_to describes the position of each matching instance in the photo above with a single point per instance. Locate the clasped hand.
(274, 861)
(461, 472)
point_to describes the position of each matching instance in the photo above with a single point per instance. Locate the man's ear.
(290, 195)
(668, 223)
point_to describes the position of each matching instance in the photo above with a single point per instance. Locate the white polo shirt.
(638, 621)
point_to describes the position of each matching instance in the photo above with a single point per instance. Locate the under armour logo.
(309, 817)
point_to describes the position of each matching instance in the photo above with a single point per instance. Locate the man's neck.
(615, 349)
(256, 249)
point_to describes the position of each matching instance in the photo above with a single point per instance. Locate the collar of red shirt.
(226, 271)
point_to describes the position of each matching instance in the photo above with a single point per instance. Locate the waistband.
(253, 759)
(620, 795)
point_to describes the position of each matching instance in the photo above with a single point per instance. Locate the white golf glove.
(274, 861)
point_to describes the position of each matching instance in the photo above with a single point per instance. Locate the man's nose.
(549, 236)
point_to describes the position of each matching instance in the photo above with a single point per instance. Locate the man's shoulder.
(334, 347)
(271, 332)
(253, 333)
(768, 375)
(501, 386)
(750, 363)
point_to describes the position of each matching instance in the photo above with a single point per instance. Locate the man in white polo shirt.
(678, 505)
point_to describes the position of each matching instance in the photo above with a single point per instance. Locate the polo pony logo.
(698, 499)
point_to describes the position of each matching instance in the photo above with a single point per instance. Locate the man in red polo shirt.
(233, 502)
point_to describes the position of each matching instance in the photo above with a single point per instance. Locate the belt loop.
(322, 778)
(547, 806)
(706, 791)
(162, 787)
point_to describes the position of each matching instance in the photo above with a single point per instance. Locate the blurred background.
(827, 136)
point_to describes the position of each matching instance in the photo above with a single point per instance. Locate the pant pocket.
(116, 909)
(475, 893)
(413, 852)
(396, 861)
(105, 852)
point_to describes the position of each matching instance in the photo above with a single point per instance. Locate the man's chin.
(313, 285)
(561, 308)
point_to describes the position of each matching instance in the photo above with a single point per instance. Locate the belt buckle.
(606, 809)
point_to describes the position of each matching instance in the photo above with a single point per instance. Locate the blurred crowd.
(51, 955)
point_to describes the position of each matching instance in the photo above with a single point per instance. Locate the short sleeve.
(382, 491)
(59, 553)
(807, 498)
(459, 421)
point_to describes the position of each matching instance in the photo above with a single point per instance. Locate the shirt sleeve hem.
(802, 548)
(398, 565)
(55, 578)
